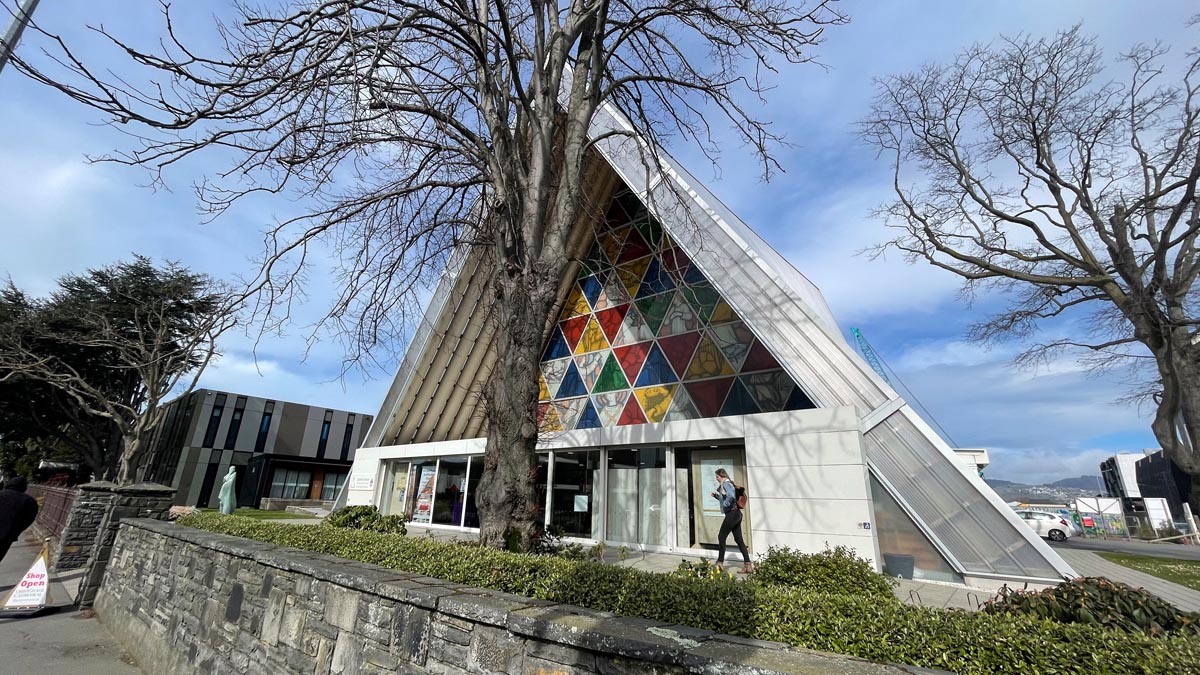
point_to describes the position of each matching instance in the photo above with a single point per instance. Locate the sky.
(63, 214)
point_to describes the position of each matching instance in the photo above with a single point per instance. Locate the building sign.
(423, 511)
(362, 482)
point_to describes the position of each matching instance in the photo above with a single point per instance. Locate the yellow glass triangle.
(613, 242)
(708, 361)
(576, 304)
(543, 390)
(550, 421)
(655, 401)
(723, 313)
(593, 338)
(631, 274)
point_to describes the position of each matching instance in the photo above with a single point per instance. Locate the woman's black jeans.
(732, 523)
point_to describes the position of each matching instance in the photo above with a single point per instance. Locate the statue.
(228, 500)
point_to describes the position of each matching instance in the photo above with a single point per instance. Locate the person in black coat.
(17, 512)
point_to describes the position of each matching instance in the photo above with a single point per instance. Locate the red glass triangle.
(616, 216)
(573, 329)
(675, 262)
(610, 320)
(708, 395)
(632, 357)
(679, 349)
(635, 247)
(632, 414)
(759, 358)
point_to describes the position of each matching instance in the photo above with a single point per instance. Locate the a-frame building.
(682, 343)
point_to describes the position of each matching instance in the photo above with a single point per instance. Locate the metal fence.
(54, 506)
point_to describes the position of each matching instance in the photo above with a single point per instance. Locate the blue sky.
(63, 215)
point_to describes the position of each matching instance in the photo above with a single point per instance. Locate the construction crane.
(20, 18)
(869, 354)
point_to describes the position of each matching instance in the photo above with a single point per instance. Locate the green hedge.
(962, 642)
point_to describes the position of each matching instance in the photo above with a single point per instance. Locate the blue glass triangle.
(799, 400)
(656, 280)
(557, 347)
(739, 401)
(572, 384)
(590, 419)
(591, 288)
(656, 369)
(694, 276)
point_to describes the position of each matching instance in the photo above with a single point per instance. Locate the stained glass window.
(645, 337)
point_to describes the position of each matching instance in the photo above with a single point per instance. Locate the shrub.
(703, 569)
(835, 570)
(366, 518)
(978, 643)
(1099, 602)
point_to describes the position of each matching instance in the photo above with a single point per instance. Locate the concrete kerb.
(690, 649)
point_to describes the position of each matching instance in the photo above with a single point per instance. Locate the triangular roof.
(435, 393)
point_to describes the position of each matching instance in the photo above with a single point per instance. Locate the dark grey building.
(284, 451)
(1159, 476)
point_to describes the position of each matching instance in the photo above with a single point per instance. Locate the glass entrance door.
(638, 497)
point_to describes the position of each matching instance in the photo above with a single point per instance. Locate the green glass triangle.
(650, 230)
(611, 378)
(595, 262)
(703, 298)
(654, 309)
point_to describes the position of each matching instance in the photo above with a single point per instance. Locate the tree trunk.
(510, 516)
(1176, 423)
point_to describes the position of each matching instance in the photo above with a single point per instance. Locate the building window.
(332, 485)
(290, 484)
(264, 426)
(214, 421)
(235, 422)
(324, 442)
(346, 437)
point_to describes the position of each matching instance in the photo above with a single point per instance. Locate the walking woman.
(726, 493)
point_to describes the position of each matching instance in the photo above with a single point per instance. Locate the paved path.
(66, 642)
(1090, 564)
(1176, 551)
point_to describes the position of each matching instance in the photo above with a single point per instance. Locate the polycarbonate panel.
(966, 523)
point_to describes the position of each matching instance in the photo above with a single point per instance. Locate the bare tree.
(423, 126)
(115, 343)
(1072, 195)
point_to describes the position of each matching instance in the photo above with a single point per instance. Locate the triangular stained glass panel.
(798, 400)
(614, 292)
(569, 410)
(573, 328)
(590, 365)
(553, 373)
(610, 320)
(722, 313)
(572, 384)
(613, 241)
(679, 349)
(543, 390)
(739, 401)
(635, 247)
(556, 347)
(654, 310)
(589, 418)
(655, 401)
(675, 262)
(548, 421)
(631, 358)
(680, 318)
(609, 406)
(770, 389)
(595, 261)
(656, 370)
(735, 340)
(616, 216)
(682, 407)
(650, 230)
(708, 361)
(656, 280)
(591, 287)
(759, 358)
(632, 205)
(708, 395)
(593, 339)
(576, 303)
(703, 298)
(634, 329)
(631, 275)
(632, 414)
(694, 277)
(611, 377)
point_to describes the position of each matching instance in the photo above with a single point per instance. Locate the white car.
(1050, 525)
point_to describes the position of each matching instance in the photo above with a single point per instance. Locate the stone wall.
(82, 528)
(186, 601)
(142, 500)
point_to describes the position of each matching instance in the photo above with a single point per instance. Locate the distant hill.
(1090, 483)
(1061, 491)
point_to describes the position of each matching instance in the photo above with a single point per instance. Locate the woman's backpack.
(742, 497)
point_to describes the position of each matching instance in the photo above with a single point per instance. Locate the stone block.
(410, 633)
(536, 666)
(495, 650)
(448, 633)
(561, 654)
(291, 625)
(341, 607)
(347, 655)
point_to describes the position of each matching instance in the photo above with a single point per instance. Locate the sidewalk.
(65, 642)
(1091, 565)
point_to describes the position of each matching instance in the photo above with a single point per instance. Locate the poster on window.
(423, 511)
(708, 468)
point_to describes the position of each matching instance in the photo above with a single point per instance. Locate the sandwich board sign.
(30, 594)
